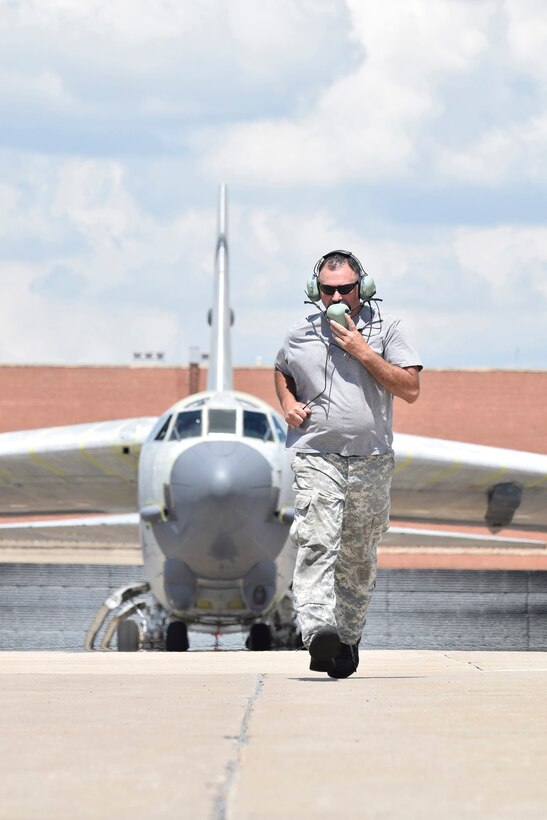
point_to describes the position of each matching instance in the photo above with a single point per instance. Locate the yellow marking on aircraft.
(118, 448)
(46, 466)
(98, 464)
(40, 461)
(536, 483)
(490, 478)
(6, 475)
(404, 464)
(443, 473)
(236, 603)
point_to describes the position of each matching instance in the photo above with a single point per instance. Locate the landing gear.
(260, 638)
(128, 636)
(281, 631)
(114, 614)
(177, 637)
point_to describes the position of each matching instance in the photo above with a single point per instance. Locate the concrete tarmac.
(415, 734)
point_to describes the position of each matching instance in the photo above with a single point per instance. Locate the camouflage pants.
(341, 512)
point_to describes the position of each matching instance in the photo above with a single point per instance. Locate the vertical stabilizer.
(220, 354)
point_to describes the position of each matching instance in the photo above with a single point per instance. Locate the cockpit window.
(222, 421)
(163, 429)
(281, 432)
(256, 425)
(197, 403)
(187, 425)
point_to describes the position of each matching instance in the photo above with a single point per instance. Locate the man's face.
(343, 275)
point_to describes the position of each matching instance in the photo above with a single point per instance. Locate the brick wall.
(496, 407)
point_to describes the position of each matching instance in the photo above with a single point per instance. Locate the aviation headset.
(367, 288)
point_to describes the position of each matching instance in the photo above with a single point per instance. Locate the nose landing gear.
(128, 636)
(260, 638)
(176, 639)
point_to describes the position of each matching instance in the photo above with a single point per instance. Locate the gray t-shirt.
(353, 415)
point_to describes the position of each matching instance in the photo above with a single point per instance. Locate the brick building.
(503, 408)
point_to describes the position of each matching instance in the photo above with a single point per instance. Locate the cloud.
(125, 77)
(473, 296)
(61, 282)
(365, 125)
(512, 143)
(397, 130)
(108, 277)
(511, 260)
(526, 36)
(38, 329)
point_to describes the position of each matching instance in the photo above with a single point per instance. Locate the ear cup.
(312, 288)
(367, 288)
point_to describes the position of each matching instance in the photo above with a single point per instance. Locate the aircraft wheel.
(260, 638)
(177, 637)
(128, 636)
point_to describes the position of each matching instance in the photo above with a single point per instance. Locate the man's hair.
(337, 260)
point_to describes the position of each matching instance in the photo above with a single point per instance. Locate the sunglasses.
(343, 290)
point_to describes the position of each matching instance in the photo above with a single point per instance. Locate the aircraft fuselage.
(213, 475)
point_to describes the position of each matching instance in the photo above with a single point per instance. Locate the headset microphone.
(337, 312)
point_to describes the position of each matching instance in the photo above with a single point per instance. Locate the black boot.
(346, 661)
(324, 646)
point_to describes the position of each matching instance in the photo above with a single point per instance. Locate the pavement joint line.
(224, 792)
(449, 656)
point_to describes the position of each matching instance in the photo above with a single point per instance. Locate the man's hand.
(296, 414)
(403, 382)
(294, 411)
(349, 338)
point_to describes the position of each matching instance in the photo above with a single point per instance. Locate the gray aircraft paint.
(220, 354)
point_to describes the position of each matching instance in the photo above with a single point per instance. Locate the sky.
(411, 132)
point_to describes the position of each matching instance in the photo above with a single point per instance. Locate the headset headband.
(367, 288)
(347, 254)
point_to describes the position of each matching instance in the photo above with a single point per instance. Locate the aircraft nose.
(221, 501)
(220, 504)
(220, 475)
(221, 469)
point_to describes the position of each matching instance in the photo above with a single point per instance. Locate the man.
(336, 384)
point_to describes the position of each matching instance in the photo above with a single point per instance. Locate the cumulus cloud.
(511, 260)
(128, 77)
(526, 36)
(328, 119)
(365, 125)
(36, 328)
(512, 144)
(107, 278)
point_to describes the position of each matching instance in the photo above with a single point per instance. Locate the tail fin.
(220, 354)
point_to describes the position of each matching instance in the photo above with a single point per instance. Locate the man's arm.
(403, 382)
(293, 410)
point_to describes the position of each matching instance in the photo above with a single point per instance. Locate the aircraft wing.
(83, 468)
(92, 468)
(93, 529)
(433, 539)
(453, 482)
(123, 530)
(94, 539)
